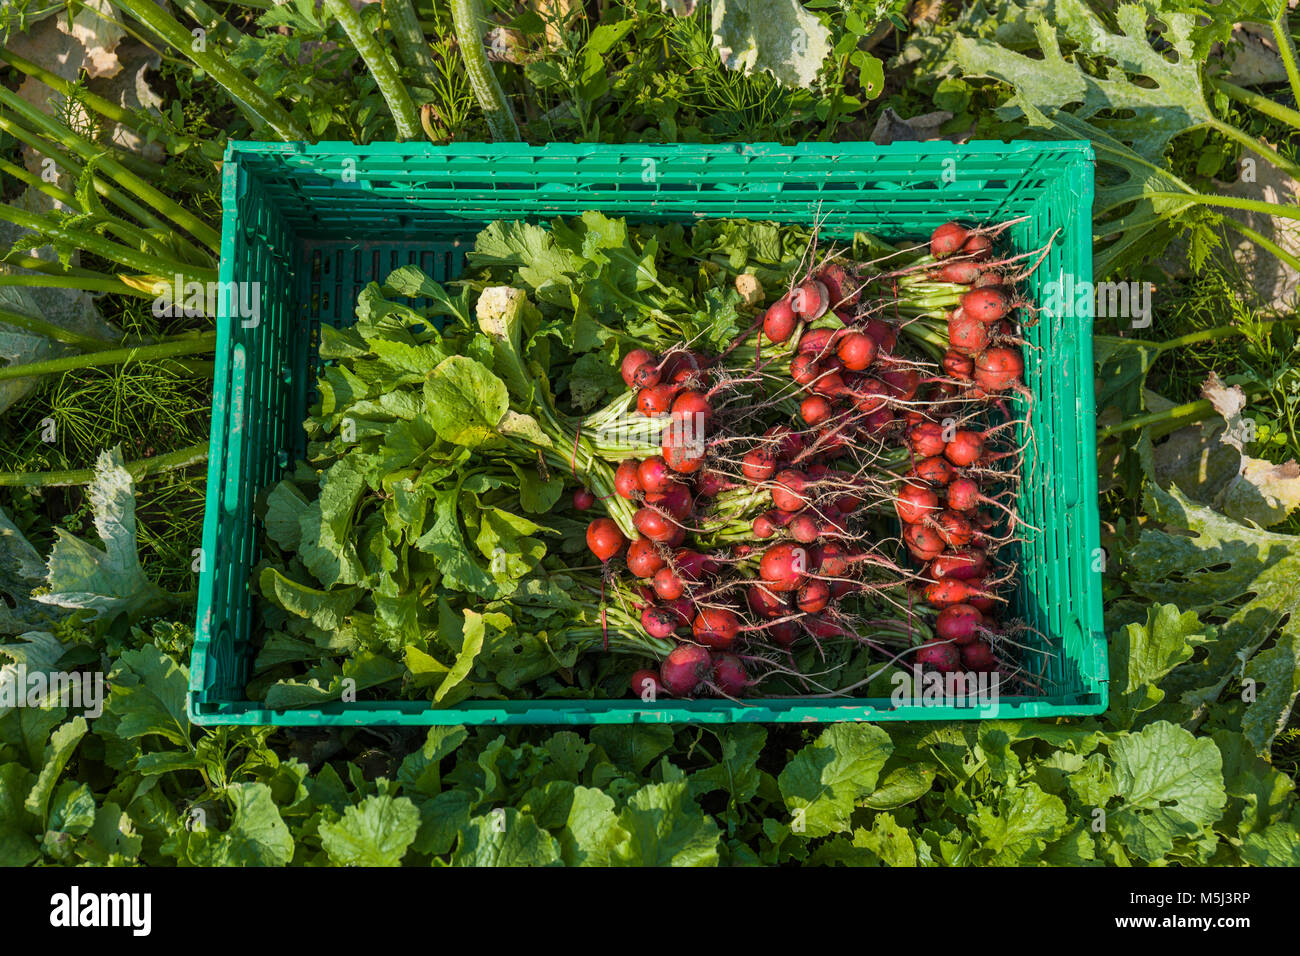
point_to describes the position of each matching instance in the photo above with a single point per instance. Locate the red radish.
(683, 609)
(999, 369)
(659, 621)
(962, 272)
(763, 527)
(924, 543)
(954, 528)
(785, 442)
(583, 499)
(964, 494)
(984, 604)
(926, 439)
(841, 588)
(934, 471)
(656, 526)
(848, 503)
(729, 675)
(789, 490)
(831, 441)
(830, 383)
(977, 246)
(627, 481)
(966, 564)
(815, 409)
(693, 406)
(604, 539)
(783, 634)
(654, 476)
(758, 464)
(902, 383)
(810, 300)
(804, 369)
(668, 584)
(947, 239)
(960, 367)
(813, 596)
(694, 566)
(988, 278)
(986, 304)
(965, 447)
(942, 657)
(804, 528)
(643, 558)
(716, 627)
(960, 623)
(646, 684)
(819, 626)
(685, 669)
(711, 483)
(683, 451)
(831, 560)
(857, 351)
(838, 284)
(819, 342)
(885, 334)
(966, 335)
(632, 361)
(878, 421)
(948, 591)
(679, 366)
(978, 656)
(870, 396)
(675, 499)
(915, 503)
(646, 375)
(767, 603)
(779, 320)
(656, 400)
(784, 567)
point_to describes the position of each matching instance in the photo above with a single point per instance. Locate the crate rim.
(1094, 663)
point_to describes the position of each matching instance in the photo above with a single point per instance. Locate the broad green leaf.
(63, 742)
(592, 835)
(148, 697)
(1143, 654)
(18, 843)
(21, 571)
(284, 509)
(441, 821)
(419, 770)
(257, 835)
(776, 36)
(666, 828)
(505, 837)
(737, 771)
(106, 581)
(326, 609)
(887, 840)
(1221, 563)
(827, 779)
(633, 746)
(465, 401)
(470, 647)
(72, 809)
(1170, 786)
(376, 832)
(113, 840)
(1017, 828)
(1279, 845)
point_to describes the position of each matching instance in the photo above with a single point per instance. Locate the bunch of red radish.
(737, 609)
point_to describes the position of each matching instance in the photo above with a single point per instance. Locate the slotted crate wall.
(315, 223)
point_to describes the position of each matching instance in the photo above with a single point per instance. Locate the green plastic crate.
(314, 224)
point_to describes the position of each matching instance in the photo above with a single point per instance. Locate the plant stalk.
(381, 66)
(187, 345)
(138, 469)
(468, 17)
